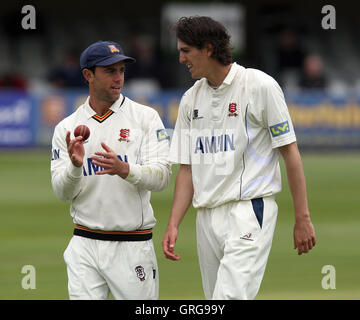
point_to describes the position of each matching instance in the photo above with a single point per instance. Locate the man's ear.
(209, 49)
(88, 74)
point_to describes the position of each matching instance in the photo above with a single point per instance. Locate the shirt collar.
(231, 74)
(115, 107)
(229, 77)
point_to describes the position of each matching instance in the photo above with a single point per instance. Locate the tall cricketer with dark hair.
(232, 126)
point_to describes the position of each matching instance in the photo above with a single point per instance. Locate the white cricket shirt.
(229, 135)
(137, 135)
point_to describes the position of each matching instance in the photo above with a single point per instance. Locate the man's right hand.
(183, 194)
(168, 243)
(75, 149)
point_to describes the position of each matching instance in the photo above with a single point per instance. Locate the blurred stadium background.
(40, 84)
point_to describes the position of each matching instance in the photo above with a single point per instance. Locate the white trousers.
(234, 242)
(127, 269)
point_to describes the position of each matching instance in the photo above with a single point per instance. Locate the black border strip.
(112, 237)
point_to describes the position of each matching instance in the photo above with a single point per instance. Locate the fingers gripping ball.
(82, 130)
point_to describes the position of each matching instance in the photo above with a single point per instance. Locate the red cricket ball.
(82, 130)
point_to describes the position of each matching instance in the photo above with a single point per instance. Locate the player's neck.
(99, 106)
(217, 75)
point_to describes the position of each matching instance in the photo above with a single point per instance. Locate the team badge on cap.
(124, 135)
(232, 110)
(113, 48)
(140, 272)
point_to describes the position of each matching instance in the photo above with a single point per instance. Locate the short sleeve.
(278, 117)
(271, 109)
(180, 142)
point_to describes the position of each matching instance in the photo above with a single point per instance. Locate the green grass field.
(36, 227)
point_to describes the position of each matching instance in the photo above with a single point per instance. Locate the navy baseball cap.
(103, 53)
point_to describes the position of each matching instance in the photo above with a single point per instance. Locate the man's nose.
(182, 58)
(118, 75)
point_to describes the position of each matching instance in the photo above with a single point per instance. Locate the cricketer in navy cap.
(103, 53)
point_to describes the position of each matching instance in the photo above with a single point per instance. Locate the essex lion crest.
(232, 110)
(124, 135)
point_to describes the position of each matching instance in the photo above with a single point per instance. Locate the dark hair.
(198, 31)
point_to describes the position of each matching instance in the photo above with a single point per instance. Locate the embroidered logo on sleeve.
(280, 129)
(162, 135)
(196, 114)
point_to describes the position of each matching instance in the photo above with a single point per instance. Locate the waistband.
(137, 235)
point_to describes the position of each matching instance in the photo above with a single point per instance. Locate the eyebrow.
(110, 68)
(184, 48)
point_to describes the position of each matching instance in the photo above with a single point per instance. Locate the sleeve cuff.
(135, 174)
(182, 160)
(283, 142)
(74, 172)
